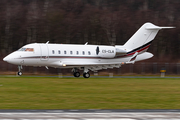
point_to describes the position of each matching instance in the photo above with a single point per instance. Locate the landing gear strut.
(19, 68)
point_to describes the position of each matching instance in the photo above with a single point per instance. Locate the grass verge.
(92, 93)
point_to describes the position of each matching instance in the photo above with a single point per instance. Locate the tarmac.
(90, 114)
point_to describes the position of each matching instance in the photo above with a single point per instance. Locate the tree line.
(106, 22)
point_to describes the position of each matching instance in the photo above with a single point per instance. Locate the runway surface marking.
(92, 116)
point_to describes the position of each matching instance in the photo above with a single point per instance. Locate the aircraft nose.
(12, 58)
(5, 59)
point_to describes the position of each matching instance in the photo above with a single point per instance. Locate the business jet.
(86, 57)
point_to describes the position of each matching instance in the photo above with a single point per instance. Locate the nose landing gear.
(19, 73)
(19, 70)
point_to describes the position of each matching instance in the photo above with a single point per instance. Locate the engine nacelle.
(106, 51)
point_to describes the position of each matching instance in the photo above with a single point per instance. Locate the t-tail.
(142, 39)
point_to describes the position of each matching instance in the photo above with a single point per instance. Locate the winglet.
(132, 60)
(134, 57)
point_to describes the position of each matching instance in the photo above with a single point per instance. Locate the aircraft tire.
(76, 74)
(19, 73)
(86, 75)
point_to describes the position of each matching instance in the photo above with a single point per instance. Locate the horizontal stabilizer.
(154, 27)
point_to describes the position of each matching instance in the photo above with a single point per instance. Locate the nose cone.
(5, 59)
(12, 58)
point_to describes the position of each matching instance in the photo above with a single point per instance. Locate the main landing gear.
(86, 75)
(19, 70)
(76, 73)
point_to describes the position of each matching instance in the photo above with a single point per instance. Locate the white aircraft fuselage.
(86, 57)
(67, 55)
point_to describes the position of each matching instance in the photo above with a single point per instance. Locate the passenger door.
(44, 52)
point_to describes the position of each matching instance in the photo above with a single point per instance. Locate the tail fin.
(143, 37)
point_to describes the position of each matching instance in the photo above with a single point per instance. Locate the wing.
(93, 66)
(112, 65)
(90, 66)
(100, 67)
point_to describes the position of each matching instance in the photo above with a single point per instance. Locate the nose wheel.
(19, 68)
(19, 73)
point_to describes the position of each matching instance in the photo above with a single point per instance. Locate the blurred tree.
(32, 17)
(95, 21)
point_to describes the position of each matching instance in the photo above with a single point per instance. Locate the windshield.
(27, 49)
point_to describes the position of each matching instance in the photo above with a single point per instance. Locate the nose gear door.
(44, 52)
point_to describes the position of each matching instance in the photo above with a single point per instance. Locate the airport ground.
(137, 69)
(93, 93)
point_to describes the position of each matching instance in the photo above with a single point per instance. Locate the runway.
(94, 76)
(89, 114)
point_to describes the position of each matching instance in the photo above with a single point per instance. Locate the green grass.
(92, 93)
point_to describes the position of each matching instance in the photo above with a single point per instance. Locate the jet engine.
(106, 51)
(109, 51)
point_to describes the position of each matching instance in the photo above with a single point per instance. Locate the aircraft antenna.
(86, 43)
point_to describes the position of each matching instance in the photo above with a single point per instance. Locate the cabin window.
(77, 52)
(71, 52)
(59, 51)
(89, 53)
(53, 52)
(65, 52)
(83, 52)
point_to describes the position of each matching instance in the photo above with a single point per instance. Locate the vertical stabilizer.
(143, 36)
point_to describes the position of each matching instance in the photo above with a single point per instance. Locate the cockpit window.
(27, 49)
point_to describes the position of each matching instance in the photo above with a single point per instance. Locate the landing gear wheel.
(76, 74)
(19, 73)
(86, 75)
